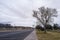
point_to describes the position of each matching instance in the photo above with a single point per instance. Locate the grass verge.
(50, 35)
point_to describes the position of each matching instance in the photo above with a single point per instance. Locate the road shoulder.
(31, 36)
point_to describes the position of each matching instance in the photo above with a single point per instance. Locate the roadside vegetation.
(53, 32)
(50, 35)
(46, 30)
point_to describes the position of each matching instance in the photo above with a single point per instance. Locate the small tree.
(44, 15)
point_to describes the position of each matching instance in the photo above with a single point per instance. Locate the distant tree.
(56, 26)
(1, 25)
(44, 15)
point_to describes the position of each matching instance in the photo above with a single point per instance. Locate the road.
(17, 35)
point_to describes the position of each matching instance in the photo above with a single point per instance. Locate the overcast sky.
(19, 12)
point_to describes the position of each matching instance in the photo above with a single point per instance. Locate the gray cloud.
(20, 12)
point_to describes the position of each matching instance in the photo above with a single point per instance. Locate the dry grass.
(50, 35)
(9, 29)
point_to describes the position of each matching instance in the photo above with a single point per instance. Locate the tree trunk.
(45, 31)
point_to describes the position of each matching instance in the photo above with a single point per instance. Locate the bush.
(40, 27)
(49, 27)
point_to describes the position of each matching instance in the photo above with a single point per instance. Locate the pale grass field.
(50, 35)
(9, 30)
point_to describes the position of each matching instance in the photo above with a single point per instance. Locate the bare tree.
(45, 15)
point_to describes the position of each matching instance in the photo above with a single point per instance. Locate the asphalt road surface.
(17, 35)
